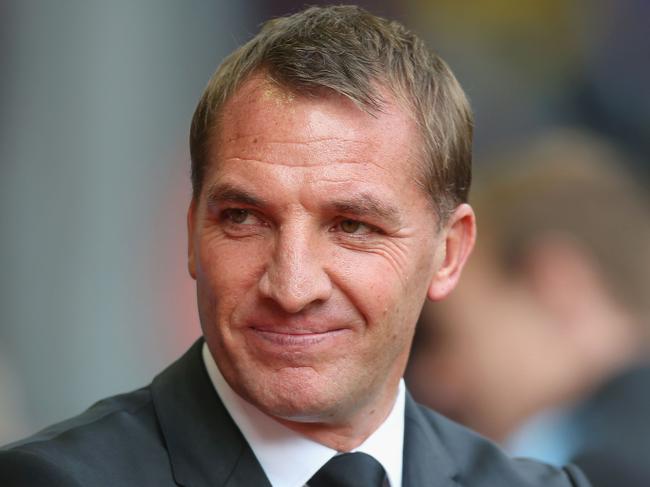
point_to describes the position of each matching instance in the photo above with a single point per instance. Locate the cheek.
(226, 271)
(388, 322)
(356, 276)
(231, 261)
(387, 297)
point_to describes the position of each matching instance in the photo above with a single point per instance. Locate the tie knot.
(349, 470)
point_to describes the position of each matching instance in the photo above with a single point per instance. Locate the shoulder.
(479, 462)
(109, 436)
(22, 468)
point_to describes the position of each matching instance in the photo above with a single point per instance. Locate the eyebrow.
(360, 205)
(228, 192)
(367, 205)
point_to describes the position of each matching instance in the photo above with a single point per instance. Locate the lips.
(296, 329)
(297, 338)
(296, 335)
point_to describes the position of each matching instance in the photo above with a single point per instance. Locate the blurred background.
(95, 105)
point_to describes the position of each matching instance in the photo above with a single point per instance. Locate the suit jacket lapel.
(426, 461)
(206, 449)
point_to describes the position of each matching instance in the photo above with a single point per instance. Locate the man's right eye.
(236, 215)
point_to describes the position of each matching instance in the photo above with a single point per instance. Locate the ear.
(191, 265)
(455, 244)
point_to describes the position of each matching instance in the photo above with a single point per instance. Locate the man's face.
(313, 249)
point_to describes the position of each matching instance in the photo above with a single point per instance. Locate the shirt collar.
(273, 443)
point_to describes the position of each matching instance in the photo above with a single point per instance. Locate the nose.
(295, 276)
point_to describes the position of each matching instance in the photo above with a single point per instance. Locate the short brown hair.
(352, 52)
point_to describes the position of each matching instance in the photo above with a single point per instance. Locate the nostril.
(296, 287)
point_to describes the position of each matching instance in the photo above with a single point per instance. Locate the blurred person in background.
(544, 344)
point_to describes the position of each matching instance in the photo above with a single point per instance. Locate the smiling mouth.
(296, 338)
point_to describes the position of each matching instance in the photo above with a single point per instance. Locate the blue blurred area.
(96, 99)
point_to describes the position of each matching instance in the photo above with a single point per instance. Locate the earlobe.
(456, 244)
(191, 266)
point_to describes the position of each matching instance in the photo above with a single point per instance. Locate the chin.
(299, 395)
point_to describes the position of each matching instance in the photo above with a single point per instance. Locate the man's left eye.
(350, 226)
(354, 226)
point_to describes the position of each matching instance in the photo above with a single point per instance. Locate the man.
(545, 344)
(330, 169)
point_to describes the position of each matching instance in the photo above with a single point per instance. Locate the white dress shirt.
(290, 459)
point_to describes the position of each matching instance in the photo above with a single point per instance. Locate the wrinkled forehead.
(261, 104)
(260, 91)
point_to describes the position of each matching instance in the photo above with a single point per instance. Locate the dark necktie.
(349, 470)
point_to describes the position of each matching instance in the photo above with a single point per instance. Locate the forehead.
(261, 112)
(315, 149)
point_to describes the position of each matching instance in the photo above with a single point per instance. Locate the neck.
(348, 434)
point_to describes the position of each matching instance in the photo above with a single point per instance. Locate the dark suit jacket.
(177, 432)
(614, 431)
